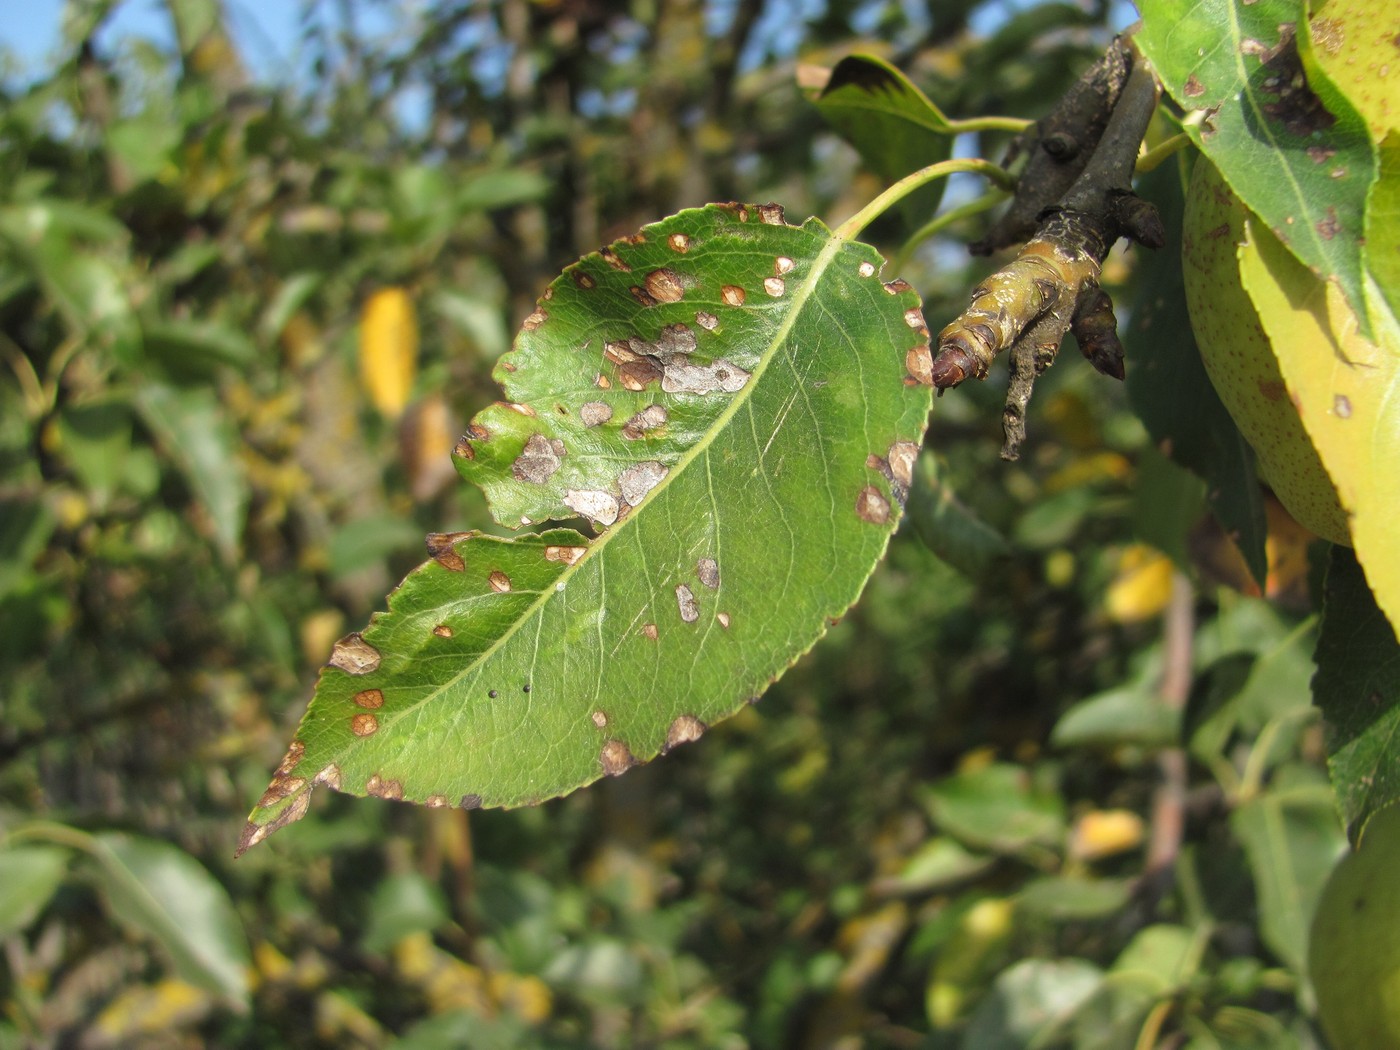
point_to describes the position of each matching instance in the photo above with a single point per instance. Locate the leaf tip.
(254, 832)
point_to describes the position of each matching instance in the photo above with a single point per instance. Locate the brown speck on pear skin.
(364, 724)
(616, 758)
(353, 655)
(370, 698)
(499, 581)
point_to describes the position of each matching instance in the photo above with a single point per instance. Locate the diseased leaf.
(1354, 46)
(1357, 686)
(1347, 390)
(1302, 161)
(891, 123)
(725, 398)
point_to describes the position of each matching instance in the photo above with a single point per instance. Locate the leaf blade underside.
(732, 531)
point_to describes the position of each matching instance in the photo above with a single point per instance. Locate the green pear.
(1239, 360)
(1354, 950)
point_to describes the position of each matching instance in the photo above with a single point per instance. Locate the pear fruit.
(1354, 949)
(1239, 360)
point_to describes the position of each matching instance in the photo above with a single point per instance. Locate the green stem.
(940, 222)
(1162, 151)
(1013, 124)
(851, 228)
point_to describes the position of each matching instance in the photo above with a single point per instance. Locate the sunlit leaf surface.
(724, 399)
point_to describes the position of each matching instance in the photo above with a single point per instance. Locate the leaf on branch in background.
(1357, 686)
(194, 431)
(166, 894)
(1303, 163)
(891, 123)
(1346, 389)
(725, 397)
(30, 875)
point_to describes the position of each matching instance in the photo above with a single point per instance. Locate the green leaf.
(1357, 686)
(166, 894)
(1070, 898)
(1030, 1003)
(1383, 228)
(725, 397)
(97, 439)
(1172, 395)
(997, 807)
(1292, 838)
(894, 126)
(30, 875)
(191, 350)
(1301, 160)
(193, 430)
(401, 905)
(951, 529)
(1132, 715)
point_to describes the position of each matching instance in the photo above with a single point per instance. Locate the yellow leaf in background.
(1105, 832)
(388, 350)
(427, 433)
(1347, 390)
(143, 1011)
(1142, 586)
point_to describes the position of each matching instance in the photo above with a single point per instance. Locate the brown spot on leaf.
(538, 461)
(471, 802)
(781, 265)
(1329, 227)
(280, 788)
(364, 724)
(866, 269)
(708, 571)
(653, 417)
(584, 280)
(636, 481)
(381, 788)
(1341, 405)
(616, 758)
(649, 631)
(442, 549)
(524, 410)
(914, 318)
(255, 833)
(919, 362)
(686, 729)
(664, 285)
(636, 374)
(602, 382)
(436, 802)
(567, 555)
(872, 506)
(732, 295)
(641, 295)
(499, 581)
(902, 457)
(370, 698)
(772, 214)
(723, 619)
(329, 777)
(707, 321)
(612, 259)
(442, 631)
(1194, 88)
(594, 504)
(1320, 154)
(686, 603)
(595, 413)
(534, 320)
(289, 761)
(774, 286)
(600, 719)
(679, 242)
(899, 285)
(353, 655)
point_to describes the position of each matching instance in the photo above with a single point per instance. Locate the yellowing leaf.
(1347, 390)
(388, 350)
(1142, 586)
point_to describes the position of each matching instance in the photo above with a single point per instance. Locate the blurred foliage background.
(1049, 784)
